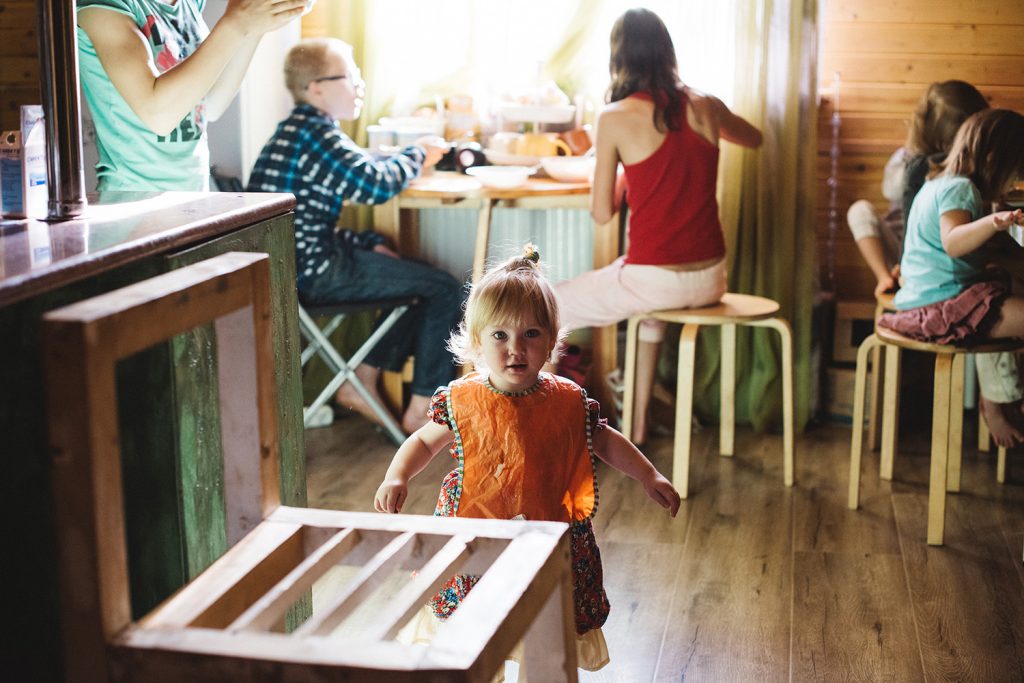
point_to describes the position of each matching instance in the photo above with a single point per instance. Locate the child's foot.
(1003, 420)
(348, 397)
(416, 414)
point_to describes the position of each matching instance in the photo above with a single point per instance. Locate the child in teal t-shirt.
(153, 74)
(949, 296)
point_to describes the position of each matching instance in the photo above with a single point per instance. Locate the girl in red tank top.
(666, 136)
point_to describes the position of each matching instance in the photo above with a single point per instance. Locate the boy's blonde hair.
(507, 294)
(305, 62)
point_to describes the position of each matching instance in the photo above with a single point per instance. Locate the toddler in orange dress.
(524, 440)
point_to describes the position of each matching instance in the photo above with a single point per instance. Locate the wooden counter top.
(36, 256)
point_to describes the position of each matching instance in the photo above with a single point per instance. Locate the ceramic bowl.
(501, 177)
(569, 169)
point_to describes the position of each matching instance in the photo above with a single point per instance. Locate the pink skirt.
(964, 320)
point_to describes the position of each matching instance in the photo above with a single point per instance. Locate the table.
(397, 220)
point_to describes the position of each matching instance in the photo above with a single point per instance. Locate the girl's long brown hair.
(938, 115)
(989, 149)
(644, 59)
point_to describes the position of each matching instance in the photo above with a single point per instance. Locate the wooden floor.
(754, 582)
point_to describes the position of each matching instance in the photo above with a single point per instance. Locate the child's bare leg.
(1011, 319)
(416, 413)
(1001, 393)
(348, 397)
(1001, 419)
(646, 364)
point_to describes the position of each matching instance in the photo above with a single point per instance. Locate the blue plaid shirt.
(311, 157)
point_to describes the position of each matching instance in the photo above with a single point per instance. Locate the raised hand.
(260, 16)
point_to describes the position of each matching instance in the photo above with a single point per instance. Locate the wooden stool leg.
(874, 402)
(629, 381)
(940, 448)
(684, 408)
(786, 337)
(1001, 465)
(868, 346)
(727, 410)
(956, 424)
(984, 438)
(890, 412)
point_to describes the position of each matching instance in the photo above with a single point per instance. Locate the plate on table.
(538, 113)
(505, 159)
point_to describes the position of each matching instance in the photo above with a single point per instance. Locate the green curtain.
(767, 199)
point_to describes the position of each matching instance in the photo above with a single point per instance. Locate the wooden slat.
(497, 612)
(950, 39)
(918, 12)
(20, 72)
(364, 582)
(17, 41)
(901, 98)
(867, 126)
(18, 13)
(160, 655)
(924, 69)
(236, 580)
(269, 610)
(417, 592)
(495, 529)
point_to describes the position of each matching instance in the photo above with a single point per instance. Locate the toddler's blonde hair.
(508, 293)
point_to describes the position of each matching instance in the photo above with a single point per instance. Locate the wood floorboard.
(966, 596)
(852, 619)
(754, 582)
(731, 608)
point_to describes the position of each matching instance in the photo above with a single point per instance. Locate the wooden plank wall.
(19, 57)
(886, 54)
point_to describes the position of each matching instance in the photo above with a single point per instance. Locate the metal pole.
(58, 52)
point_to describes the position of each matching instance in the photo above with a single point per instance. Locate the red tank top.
(673, 212)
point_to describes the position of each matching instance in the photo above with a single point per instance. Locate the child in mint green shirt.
(153, 74)
(948, 295)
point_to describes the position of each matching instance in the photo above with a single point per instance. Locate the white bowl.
(501, 177)
(569, 169)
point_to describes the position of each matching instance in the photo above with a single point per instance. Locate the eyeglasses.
(329, 78)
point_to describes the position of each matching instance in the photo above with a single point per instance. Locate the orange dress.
(529, 454)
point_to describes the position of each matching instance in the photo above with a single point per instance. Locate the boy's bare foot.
(348, 397)
(1002, 420)
(416, 414)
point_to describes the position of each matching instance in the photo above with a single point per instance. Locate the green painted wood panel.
(198, 426)
(161, 408)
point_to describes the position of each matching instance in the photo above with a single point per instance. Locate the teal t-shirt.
(930, 274)
(131, 156)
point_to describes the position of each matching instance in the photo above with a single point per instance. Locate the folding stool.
(344, 370)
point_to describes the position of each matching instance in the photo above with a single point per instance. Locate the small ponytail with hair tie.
(530, 252)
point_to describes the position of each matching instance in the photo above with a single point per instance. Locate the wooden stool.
(732, 310)
(228, 624)
(947, 416)
(885, 376)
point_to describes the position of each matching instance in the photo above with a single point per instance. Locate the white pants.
(999, 377)
(620, 290)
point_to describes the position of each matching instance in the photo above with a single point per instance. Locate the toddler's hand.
(1004, 219)
(662, 492)
(390, 496)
